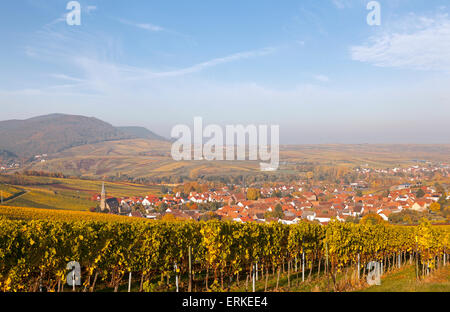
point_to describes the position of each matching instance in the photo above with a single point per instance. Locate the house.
(310, 196)
(243, 219)
(384, 214)
(112, 204)
(152, 216)
(124, 208)
(420, 205)
(149, 200)
(289, 221)
(309, 215)
(135, 214)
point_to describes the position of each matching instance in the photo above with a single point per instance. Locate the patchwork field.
(141, 158)
(8, 191)
(66, 194)
(28, 214)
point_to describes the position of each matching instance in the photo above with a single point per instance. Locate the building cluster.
(41, 158)
(417, 171)
(287, 204)
(4, 166)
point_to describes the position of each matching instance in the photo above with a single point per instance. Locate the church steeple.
(103, 198)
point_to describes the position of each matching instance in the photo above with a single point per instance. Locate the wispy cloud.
(60, 19)
(322, 78)
(145, 26)
(95, 60)
(417, 42)
(91, 8)
(342, 4)
(213, 62)
(66, 77)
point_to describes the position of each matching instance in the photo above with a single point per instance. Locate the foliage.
(372, 219)
(435, 207)
(253, 194)
(420, 193)
(37, 251)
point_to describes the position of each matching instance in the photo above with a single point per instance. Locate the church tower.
(103, 198)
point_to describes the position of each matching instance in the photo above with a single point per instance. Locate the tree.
(277, 194)
(420, 193)
(164, 189)
(372, 219)
(209, 216)
(443, 199)
(192, 206)
(278, 212)
(439, 188)
(168, 217)
(351, 219)
(139, 207)
(406, 217)
(435, 207)
(253, 194)
(162, 207)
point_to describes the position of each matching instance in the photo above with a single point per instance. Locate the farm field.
(8, 190)
(144, 159)
(67, 194)
(28, 214)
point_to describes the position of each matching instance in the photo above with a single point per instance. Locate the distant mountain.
(54, 133)
(141, 133)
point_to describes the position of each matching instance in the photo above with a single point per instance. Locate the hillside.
(57, 132)
(141, 158)
(141, 133)
(135, 158)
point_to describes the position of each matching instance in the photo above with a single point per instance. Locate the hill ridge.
(53, 133)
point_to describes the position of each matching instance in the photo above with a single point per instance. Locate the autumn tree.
(420, 193)
(278, 212)
(253, 194)
(435, 207)
(372, 219)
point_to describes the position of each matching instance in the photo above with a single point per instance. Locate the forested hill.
(56, 132)
(141, 133)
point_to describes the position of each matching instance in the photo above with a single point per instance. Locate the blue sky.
(316, 68)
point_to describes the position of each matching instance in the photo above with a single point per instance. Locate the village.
(290, 203)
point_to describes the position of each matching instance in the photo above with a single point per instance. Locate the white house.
(146, 202)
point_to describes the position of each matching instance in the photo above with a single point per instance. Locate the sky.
(315, 68)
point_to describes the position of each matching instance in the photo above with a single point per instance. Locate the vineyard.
(205, 256)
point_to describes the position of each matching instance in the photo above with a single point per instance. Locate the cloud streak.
(95, 60)
(211, 63)
(147, 26)
(421, 43)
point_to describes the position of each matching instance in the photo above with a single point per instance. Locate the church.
(110, 204)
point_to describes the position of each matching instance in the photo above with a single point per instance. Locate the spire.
(103, 198)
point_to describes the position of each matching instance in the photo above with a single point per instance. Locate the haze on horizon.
(316, 69)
